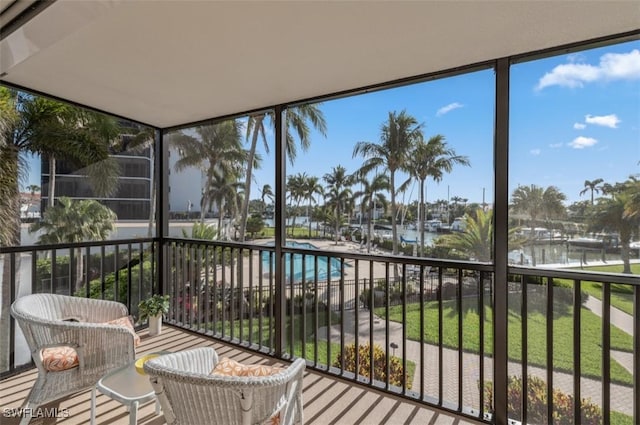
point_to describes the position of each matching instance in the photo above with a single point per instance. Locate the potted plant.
(152, 309)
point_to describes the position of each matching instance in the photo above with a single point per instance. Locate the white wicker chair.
(100, 347)
(189, 394)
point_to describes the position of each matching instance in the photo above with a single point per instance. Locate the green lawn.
(298, 232)
(591, 353)
(621, 295)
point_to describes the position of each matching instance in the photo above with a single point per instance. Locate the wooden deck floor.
(327, 400)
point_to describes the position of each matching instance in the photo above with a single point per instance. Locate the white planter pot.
(155, 325)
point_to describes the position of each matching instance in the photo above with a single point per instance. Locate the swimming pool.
(309, 264)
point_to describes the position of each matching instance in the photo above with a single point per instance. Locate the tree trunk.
(247, 183)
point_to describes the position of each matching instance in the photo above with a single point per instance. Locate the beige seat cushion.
(57, 359)
(228, 367)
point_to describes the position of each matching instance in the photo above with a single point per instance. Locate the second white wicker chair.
(189, 394)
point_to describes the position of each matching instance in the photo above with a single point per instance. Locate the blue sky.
(573, 118)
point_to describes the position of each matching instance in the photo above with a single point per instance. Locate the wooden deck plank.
(327, 400)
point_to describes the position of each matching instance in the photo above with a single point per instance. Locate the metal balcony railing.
(419, 328)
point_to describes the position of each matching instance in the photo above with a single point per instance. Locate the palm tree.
(72, 221)
(266, 192)
(296, 120)
(537, 202)
(222, 189)
(217, 151)
(476, 241)
(431, 159)
(397, 138)
(296, 189)
(338, 194)
(593, 186)
(611, 214)
(312, 187)
(370, 196)
(103, 175)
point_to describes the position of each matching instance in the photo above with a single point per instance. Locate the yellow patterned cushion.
(228, 367)
(57, 359)
(127, 323)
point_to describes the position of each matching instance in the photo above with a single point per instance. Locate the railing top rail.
(603, 277)
(46, 247)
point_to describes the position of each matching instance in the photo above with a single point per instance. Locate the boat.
(406, 241)
(458, 225)
(599, 241)
(432, 225)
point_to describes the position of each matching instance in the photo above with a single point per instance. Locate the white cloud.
(583, 142)
(555, 145)
(612, 66)
(450, 107)
(611, 121)
(535, 152)
(579, 126)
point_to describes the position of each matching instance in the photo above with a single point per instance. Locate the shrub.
(591, 414)
(396, 375)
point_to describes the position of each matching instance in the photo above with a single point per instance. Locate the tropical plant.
(476, 241)
(613, 215)
(266, 192)
(538, 203)
(337, 195)
(202, 231)
(72, 221)
(431, 159)
(372, 194)
(217, 151)
(311, 187)
(222, 189)
(592, 186)
(153, 306)
(296, 189)
(397, 138)
(296, 119)
(255, 224)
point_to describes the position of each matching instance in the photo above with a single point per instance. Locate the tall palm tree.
(431, 159)
(297, 119)
(217, 151)
(593, 186)
(75, 221)
(398, 136)
(312, 187)
(296, 188)
(372, 194)
(338, 193)
(222, 189)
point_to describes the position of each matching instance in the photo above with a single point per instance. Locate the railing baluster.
(102, 272)
(606, 353)
(13, 295)
(460, 322)
(549, 332)
(342, 314)
(404, 329)
(422, 365)
(72, 271)
(316, 312)
(440, 336)
(328, 313)
(303, 327)
(206, 302)
(636, 355)
(291, 288)
(371, 321)
(116, 274)
(481, 340)
(357, 319)
(386, 324)
(524, 322)
(251, 296)
(577, 348)
(54, 272)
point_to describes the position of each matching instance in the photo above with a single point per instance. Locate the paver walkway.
(621, 396)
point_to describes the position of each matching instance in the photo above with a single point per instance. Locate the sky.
(573, 117)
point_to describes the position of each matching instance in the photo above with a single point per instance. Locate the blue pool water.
(309, 264)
